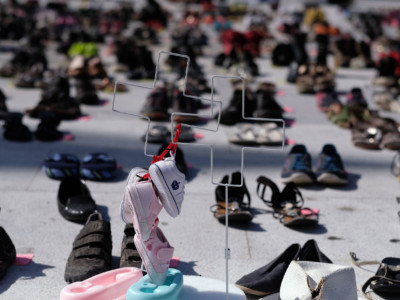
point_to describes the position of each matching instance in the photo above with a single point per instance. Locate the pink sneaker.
(156, 254)
(140, 204)
(169, 183)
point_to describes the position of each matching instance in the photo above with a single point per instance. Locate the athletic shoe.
(169, 183)
(297, 167)
(140, 204)
(156, 254)
(330, 168)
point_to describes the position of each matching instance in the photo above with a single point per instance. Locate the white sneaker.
(169, 183)
(140, 204)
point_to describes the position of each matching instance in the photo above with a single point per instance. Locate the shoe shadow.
(350, 186)
(28, 272)
(104, 212)
(115, 261)
(315, 229)
(192, 173)
(187, 267)
(189, 292)
(385, 296)
(119, 175)
(251, 226)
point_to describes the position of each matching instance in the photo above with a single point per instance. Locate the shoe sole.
(164, 191)
(146, 261)
(327, 178)
(140, 226)
(254, 292)
(298, 178)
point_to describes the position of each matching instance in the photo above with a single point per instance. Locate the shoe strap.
(354, 260)
(263, 183)
(292, 194)
(165, 253)
(171, 147)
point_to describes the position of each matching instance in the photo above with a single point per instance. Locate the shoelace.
(299, 163)
(331, 164)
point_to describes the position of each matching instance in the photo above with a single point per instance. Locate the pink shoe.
(140, 204)
(156, 254)
(169, 183)
(105, 286)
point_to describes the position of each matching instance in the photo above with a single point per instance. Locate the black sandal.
(386, 279)
(238, 209)
(287, 205)
(91, 250)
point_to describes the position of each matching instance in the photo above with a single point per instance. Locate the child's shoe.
(140, 204)
(156, 254)
(169, 183)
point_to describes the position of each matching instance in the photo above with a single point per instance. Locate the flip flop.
(61, 165)
(98, 166)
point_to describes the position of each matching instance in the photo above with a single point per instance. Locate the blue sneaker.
(297, 167)
(330, 169)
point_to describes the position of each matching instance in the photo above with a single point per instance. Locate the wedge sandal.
(287, 205)
(91, 250)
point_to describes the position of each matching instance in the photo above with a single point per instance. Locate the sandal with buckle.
(288, 204)
(238, 209)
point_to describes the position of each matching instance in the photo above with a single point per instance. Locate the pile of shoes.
(146, 193)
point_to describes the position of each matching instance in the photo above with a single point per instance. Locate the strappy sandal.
(288, 204)
(238, 209)
(386, 279)
(91, 250)
(129, 255)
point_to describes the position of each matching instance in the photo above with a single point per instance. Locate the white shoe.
(140, 204)
(169, 183)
